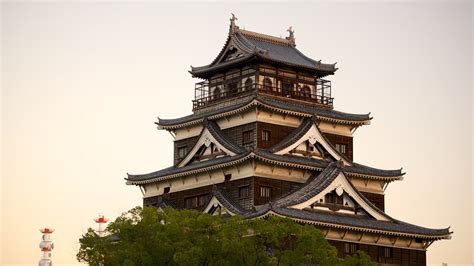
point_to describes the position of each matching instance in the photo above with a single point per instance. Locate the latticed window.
(333, 198)
(265, 135)
(342, 148)
(195, 201)
(388, 252)
(350, 248)
(190, 202)
(182, 151)
(265, 192)
(247, 137)
(244, 192)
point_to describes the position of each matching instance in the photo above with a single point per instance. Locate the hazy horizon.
(83, 83)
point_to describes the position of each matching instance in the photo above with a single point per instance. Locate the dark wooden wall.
(235, 134)
(377, 199)
(188, 143)
(278, 187)
(337, 139)
(176, 199)
(277, 133)
(401, 256)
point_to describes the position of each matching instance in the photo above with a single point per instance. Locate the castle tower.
(46, 245)
(264, 139)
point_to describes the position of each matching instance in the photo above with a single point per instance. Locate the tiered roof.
(243, 46)
(332, 172)
(240, 155)
(314, 186)
(285, 107)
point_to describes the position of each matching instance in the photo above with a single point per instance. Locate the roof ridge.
(221, 137)
(311, 187)
(264, 37)
(222, 195)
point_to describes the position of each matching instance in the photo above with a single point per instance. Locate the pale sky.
(83, 83)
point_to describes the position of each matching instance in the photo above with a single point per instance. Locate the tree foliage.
(186, 237)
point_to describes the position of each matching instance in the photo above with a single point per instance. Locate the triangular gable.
(206, 143)
(233, 48)
(215, 207)
(342, 185)
(314, 137)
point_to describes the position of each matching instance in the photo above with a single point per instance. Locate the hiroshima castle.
(264, 139)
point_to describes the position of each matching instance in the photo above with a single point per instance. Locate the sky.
(83, 83)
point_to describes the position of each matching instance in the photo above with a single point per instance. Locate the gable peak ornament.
(207, 142)
(312, 139)
(291, 38)
(233, 27)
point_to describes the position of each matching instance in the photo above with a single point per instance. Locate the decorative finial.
(233, 27)
(291, 38)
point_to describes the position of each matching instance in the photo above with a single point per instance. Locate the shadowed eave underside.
(272, 104)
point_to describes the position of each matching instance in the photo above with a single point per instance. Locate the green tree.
(187, 237)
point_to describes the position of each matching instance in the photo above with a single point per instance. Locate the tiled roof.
(223, 197)
(313, 110)
(295, 135)
(317, 183)
(223, 138)
(285, 160)
(173, 171)
(316, 163)
(252, 45)
(298, 133)
(361, 223)
(268, 102)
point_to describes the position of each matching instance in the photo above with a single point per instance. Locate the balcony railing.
(204, 97)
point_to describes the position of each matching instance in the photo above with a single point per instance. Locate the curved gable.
(210, 140)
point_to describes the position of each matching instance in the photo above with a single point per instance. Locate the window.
(388, 252)
(166, 190)
(287, 88)
(248, 84)
(305, 91)
(247, 137)
(201, 200)
(195, 201)
(265, 135)
(267, 84)
(227, 177)
(217, 93)
(341, 148)
(232, 86)
(190, 202)
(182, 151)
(244, 192)
(265, 192)
(350, 248)
(333, 198)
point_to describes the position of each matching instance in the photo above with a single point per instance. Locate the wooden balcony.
(204, 97)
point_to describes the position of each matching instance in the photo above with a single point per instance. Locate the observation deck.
(206, 96)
